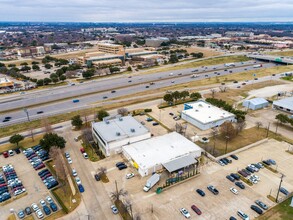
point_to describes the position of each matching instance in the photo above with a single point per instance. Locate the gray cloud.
(148, 10)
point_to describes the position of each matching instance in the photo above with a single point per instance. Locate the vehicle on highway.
(196, 209)
(147, 87)
(113, 91)
(256, 209)
(233, 190)
(129, 81)
(184, 212)
(242, 215)
(114, 209)
(6, 120)
(105, 97)
(129, 175)
(75, 100)
(40, 112)
(240, 185)
(213, 189)
(200, 192)
(261, 204)
(172, 81)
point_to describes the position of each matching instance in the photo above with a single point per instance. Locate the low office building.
(204, 116)
(171, 151)
(6, 83)
(113, 133)
(285, 105)
(256, 103)
(156, 42)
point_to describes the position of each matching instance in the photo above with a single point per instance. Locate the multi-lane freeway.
(59, 99)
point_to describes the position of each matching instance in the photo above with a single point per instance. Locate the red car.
(82, 150)
(197, 211)
(5, 154)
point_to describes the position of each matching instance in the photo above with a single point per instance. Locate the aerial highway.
(60, 100)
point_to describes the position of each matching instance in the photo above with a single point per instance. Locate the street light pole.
(282, 176)
(227, 138)
(27, 115)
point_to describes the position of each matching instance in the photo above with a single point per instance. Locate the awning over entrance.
(179, 163)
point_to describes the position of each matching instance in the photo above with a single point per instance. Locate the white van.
(242, 215)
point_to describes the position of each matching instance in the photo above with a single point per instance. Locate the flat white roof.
(162, 149)
(119, 128)
(205, 113)
(286, 103)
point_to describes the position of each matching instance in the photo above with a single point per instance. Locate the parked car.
(235, 176)
(284, 191)
(74, 173)
(114, 209)
(261, 204)
(230, 178)
(35, 207)
(234, 157)
(49, 199)
(46, 210)
(240, 185)
(53, 206)
(69, 160)
(233, 190)
(85, 156)
(42, 202)
(80, 188)
(200, 192)
(39, 214)
(196, 209)
(82, 150)
(28, 210)
(271, 161)
(67, 155)
(242, 215)
(119, 164)
(77, 180)
(97, 177)
(185, 213)
(266, 162)
(21, 214)
(213, 190)
(256, 209)
(123, 166)
(232, 218)
(129, 175)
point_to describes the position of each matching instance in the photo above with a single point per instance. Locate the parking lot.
(167, 204)
(35, 188)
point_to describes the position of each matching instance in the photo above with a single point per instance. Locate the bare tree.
(213, 92)
(102, 170)
(118, 193)
(258, 124)
(122, 111)
(47, 126)
(240, 125)
(227, 130)
(214, 134)
(223, 88)
(87, 135)
(179, 128)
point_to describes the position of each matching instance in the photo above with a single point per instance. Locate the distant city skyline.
(147, 11)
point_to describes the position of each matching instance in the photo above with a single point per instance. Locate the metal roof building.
(113, 133)
(284, 105)
(172, 151)
(256, 103)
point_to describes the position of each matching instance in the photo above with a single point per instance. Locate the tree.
(102, 114)
(176, 95)
(76, 121)
(25, 68)
(168, 98)
(240, 125)
(195, 95)
(35, 62)
(88, 73)
(213, 92)
(223, 88)
(282, 118)
(173, 58)
(9, 65)
(24, 64)
(36, 67)
(15, 139)
(47, 81)
(40, 82)
(129, 68)
(227, 130)
(55, 80)
(184, 94)
(53, 75)
(47, 126)
(101, 171)
(122, 111)
(62, 77)
(51, 139)
(114, 69)
(258, 124)
(60, 72)
(48, 66)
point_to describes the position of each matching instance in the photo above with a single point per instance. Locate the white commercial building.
(112, 134)
(172, 151)
(256, 103)
(284, 104)
(203, 115)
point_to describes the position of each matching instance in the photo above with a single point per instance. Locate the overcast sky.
(146, 10)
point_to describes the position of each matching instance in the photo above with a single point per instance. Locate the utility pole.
(27, 115)
(282, 176)
(227, 138)
(268, 129)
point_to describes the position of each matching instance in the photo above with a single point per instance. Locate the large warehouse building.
(256, 103)
(171, 151)
(284, 104)
(113, 133)
(204, 116)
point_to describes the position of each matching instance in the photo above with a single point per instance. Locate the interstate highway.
(138, 84)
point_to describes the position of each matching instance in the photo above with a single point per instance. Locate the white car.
(74, 173)
(255, 177)
(19, 191)
(233, 190)
(69, 160)
(129, 175)
(39, 213)
(49, 199)
(185, 213)
(85, 155)
(35, 207)
(42, 202)
(114, 209)
(77, 180)
(252, 180)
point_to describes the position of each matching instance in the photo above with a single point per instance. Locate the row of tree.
(174, 96)
(282, 118)
(222, 104)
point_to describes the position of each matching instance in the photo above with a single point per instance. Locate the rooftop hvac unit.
(132, 130)
(107, 122)
(120, 119)
(118, 133)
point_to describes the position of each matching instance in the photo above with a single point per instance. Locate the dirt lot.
(31, 181)
(166, 205)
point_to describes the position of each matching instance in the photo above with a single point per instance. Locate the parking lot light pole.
(282, 176)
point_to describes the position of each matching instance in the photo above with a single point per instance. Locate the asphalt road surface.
(104, 89)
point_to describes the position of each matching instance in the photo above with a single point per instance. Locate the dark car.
(213, 190)
(230, 178)
(255, 78)
(256, 209)
(235, 176)
(5, 120)
(119, 164)
(40, 112)
(97, 177)
(28, 210)
(113, 91)
(232, 218)
(123, 166)
(200, 192)
(266, 162)
(261, 204)
(235, 81)
(17, 151)
(105, 97)
(240, 185)
(244, 174)
(53, 206)
(250, 170)
(80, 188)
(284, 191)
(155, 123)
(234, 157)
(46, 210)
(271, 161)
(196, 210)
(21, 214)
(257, 165)
(147, 87)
